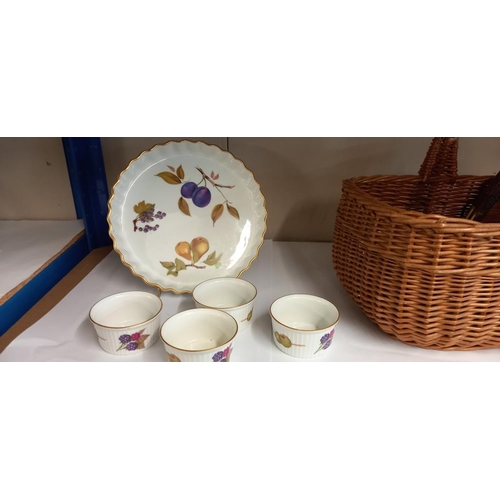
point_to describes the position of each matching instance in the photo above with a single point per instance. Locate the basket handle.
(441, 159)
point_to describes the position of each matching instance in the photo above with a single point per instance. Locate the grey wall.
(301, 178)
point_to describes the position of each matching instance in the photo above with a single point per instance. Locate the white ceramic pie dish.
(184, 212)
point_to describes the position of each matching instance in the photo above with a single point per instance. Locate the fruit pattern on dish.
(132, 342)
(285, 341)
(201, 196)
(175, 193)
(192, 252)
(200, 193)
(146, 213)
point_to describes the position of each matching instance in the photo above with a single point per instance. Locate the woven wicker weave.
(429, 280)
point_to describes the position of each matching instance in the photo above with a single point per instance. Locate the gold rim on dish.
(122, 257)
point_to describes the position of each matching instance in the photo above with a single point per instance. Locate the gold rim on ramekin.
(198, 350)
(125, 327)
(225, 308)
(300, 329)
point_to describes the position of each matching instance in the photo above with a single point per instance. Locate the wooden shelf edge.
(55, 295)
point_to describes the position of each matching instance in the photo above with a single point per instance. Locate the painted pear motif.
(192, 252)
(184, 250)
(199, 247)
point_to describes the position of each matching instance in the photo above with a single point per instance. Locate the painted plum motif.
(199, 193)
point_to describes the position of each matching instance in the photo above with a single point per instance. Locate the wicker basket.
(427, 279)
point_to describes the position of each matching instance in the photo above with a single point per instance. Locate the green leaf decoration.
(180, 172)
(233, 212)
(168, 265)
(183, 206)
(217, 265)
(217, 212)
(212, 260)
(169, 177)
(179, 265)
(249, 316)
(211, 256)
(143, 207)
(172, 272)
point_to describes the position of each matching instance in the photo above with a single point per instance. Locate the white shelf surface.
(66, 334)
(27, 245)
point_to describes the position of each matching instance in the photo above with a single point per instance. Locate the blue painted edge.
(87, 176)
(14, 308)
